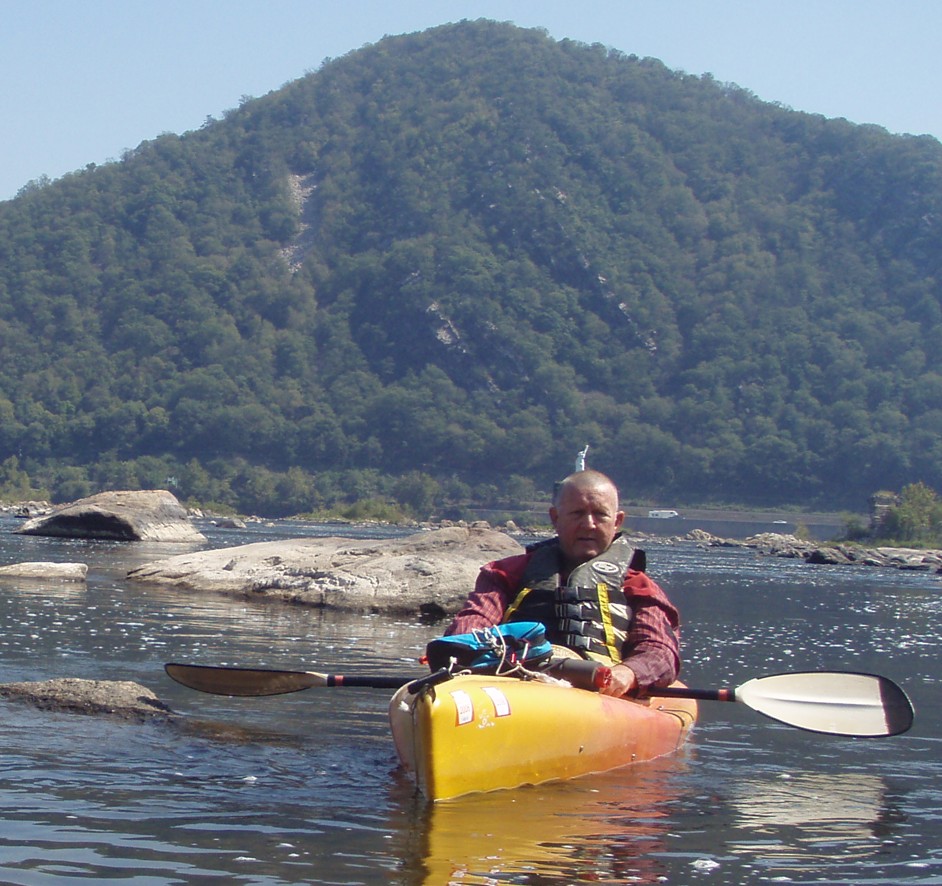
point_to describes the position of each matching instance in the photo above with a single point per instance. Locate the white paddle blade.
(836, 702)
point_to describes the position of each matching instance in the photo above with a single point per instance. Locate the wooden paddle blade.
(834, 702)
(243, 681)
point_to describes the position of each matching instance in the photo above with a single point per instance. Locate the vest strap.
(607, 627)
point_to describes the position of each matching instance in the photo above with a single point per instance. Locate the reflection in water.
(45, 588)
(607, 828)
(793, 821)
(845, 805)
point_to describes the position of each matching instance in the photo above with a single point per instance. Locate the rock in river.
(428, 573)
(146, 515)
(119, 698)
(43, 571)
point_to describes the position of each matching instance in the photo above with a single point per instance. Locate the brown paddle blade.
(254, 682)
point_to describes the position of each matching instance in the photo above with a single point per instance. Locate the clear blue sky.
(83, 80)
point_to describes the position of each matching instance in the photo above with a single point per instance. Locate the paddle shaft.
(370, 681)
(698, 694)
(387, 681)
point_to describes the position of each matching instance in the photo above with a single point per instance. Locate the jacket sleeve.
(652, 649)
(491, 596)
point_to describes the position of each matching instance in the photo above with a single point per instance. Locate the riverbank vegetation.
(914, 518)
(428, 273)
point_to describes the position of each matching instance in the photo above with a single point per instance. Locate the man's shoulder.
(511, 563)
(641, 589)
(509, 569)
(545, 543)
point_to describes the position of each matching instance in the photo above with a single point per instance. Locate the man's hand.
(624, 681)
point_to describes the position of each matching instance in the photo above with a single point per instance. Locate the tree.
(916, 519)
(417, 491)
(15, 484)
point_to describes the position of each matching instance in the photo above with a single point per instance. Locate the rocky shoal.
(834, 553)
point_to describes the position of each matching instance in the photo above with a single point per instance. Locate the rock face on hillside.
(148, 515)
(429, 573)
(118, 698)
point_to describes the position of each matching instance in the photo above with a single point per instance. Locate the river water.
(304, 788)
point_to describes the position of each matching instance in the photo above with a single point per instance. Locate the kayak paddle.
(834, 702)
(218, 680)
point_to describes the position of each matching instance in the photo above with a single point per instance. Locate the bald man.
(582, 586)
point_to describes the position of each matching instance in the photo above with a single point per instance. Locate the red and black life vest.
(590, 613)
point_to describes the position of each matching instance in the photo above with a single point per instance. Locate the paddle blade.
(242, 681)
(835, 702)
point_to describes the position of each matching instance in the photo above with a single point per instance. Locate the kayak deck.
(479, 733)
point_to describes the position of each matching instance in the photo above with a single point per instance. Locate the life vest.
(590, 613)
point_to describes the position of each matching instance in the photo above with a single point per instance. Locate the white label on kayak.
(463, 706)
(501, 705)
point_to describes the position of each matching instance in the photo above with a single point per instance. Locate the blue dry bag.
(492, 650)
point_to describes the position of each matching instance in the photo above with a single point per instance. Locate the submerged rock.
(428, 573)
(147, 515)
(119, 698)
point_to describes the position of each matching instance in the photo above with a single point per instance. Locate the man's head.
(585, 516)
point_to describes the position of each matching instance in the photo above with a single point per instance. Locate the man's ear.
(619, 519)
(554, 516)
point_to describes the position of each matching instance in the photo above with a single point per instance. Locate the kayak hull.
(475, 733)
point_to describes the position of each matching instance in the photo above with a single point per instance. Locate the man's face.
(586, 521)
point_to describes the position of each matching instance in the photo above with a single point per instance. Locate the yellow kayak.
(478, 733)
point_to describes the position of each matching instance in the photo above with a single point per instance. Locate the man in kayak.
(582, 586)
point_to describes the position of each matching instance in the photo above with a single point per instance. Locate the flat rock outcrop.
(43, 571)
(428, 573)
(146, 515)
(118, 698)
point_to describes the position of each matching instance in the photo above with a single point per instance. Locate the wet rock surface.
(428, 573)
(117, 698)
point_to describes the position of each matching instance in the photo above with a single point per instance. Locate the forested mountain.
(440, 265)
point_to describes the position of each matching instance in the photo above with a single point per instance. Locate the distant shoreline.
(724, 523)
(720, 522)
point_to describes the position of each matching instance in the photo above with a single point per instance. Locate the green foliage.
(801, 531)
(417, 492)
(855, 529)
(916, 519)
(445, 262)
(373, 510)
(15, 484)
